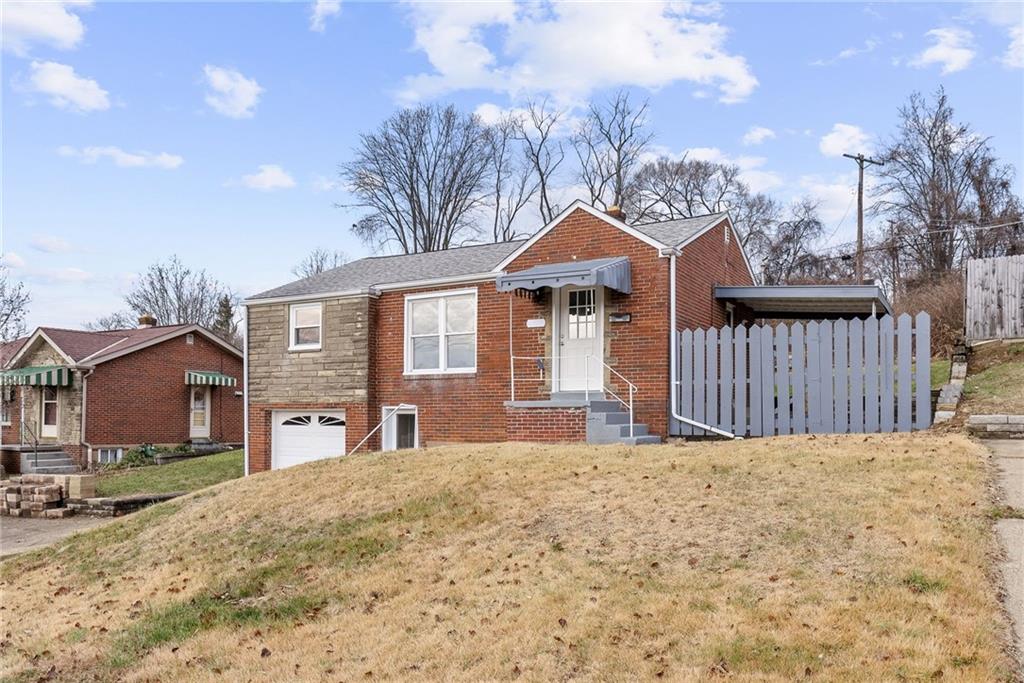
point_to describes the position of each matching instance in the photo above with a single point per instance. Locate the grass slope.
(857, 558)
(995, 379)
(184, 475)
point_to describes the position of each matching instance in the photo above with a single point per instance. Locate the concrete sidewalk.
(1009, 459)
(19, 534)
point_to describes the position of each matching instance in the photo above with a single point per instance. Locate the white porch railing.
(590, 382)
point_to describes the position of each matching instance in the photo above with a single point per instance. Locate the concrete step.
(638, 430)
(640, 440)
(45, 455)
(52, 469)
(605, 406)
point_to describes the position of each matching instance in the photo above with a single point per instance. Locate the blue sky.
(133, 131)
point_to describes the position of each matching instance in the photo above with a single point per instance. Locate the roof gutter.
(349, 293)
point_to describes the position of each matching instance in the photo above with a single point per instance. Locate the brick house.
(553, 338)
(80, 398)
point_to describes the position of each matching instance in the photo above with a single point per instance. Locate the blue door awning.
(611, 272)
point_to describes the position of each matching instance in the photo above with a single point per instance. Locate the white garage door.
(304, 435)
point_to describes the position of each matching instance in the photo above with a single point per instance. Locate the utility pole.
(861, 160)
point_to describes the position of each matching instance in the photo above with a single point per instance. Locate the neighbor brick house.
(551, 338)
(82, 398)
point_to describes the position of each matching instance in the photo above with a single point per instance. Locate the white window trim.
(389, 431)
(442, 351)
(292, 346)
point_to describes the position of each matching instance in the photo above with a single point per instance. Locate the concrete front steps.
(50, 460)
(608, 420)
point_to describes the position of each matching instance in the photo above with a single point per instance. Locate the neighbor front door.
(580, 339)
(199, 418)
(49, 413)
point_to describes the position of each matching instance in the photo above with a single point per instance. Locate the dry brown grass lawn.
(770, 560)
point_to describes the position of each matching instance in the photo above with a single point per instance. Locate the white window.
(6, 405)
(108, 456)
(440, 332)
(400, 429)
(305, 327)
(190, 338)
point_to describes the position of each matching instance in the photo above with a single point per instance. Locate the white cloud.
(322, 183)
(268, 177)
(869, 46)
(50, 23)
(231, 93)
(758, 134)
(51, 244)
(1014, 55)
(952, 48)
(844, 139)
(66, 89)
(12, 260)
(572, 49)
(141, 159)
(320, 11)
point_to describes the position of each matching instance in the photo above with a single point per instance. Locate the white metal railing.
(588, 380)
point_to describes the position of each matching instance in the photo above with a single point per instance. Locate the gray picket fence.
(828, 377)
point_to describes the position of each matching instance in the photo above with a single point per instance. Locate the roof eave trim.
(38, 334)
(316, 296)
(577, 204)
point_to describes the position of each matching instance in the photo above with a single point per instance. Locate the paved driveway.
(19, 534)
(1009, 457)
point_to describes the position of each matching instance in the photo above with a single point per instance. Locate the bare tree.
(544, 151)
(14, 300)
(175, 294)
(319, 260)
(789, 247)
(118, 320)
(513, 181)
(667, 189)
(422, 175)
(610, 143)
(927, 182)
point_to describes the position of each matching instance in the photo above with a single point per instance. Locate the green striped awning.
(39, 376)
(212, 378)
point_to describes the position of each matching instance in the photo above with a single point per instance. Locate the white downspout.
(245, 386)
(673, 357)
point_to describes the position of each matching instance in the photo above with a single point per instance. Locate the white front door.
(305, 435)
(49, 413)
(199, 413)
(581, 338)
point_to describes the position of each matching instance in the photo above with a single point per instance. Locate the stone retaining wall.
(996, 426)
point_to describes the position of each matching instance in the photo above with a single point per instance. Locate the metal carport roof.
(809, 302)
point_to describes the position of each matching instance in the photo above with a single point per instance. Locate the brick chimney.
(616, 212)
(146, 320)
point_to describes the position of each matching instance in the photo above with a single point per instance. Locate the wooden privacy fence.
(994, 298)
(820, 378)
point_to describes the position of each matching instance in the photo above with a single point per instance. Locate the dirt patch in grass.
(185, 475)
(995, 380)
(856, 558)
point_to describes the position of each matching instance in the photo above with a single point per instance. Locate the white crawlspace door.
(580, 337)
(199, 412)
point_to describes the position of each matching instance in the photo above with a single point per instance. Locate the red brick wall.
(12, 433)
(261, 428)
(704, 263)
(546, 425)
(637, 349)
(142, 397)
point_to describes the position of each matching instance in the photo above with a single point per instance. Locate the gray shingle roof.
(671, 233)
(380, 270)
(481, 258)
